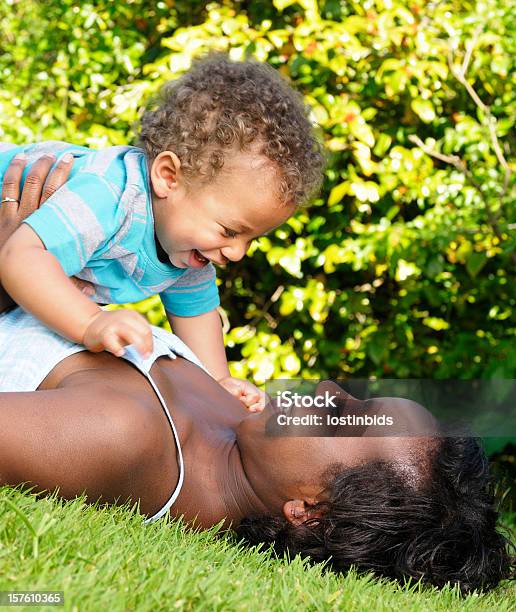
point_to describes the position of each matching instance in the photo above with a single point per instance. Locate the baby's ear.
(165, 173)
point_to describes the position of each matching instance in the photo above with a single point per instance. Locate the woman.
(164, 433)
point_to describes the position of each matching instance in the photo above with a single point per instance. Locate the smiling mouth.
(200, 258)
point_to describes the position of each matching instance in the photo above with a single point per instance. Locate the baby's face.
(218, 222)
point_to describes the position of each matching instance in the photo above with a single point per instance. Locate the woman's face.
(304, 446)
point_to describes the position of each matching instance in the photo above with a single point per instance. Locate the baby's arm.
(203, 334)
(36, 281)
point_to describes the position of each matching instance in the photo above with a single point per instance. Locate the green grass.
(105, 559)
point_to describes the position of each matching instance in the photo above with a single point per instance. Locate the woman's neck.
(216, 486)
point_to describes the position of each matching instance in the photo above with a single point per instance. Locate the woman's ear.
(297, 511)
(165, 173)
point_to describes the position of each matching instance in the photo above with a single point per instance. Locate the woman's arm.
(90, 436)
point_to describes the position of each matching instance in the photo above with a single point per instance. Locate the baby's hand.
(112, 330)
(253, 398)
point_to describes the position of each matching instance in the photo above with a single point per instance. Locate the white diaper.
(29, 351)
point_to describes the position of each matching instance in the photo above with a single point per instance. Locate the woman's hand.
(254, 399)
(38, 187)
(35, 190)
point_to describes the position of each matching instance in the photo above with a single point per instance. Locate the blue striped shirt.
(100, 227)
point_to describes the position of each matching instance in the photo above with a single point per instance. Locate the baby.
(225, 157)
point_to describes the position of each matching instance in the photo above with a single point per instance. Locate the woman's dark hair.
(220, 106)
(443, 532)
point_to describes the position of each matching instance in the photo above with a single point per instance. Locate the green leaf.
(360, 130)
(404, 269)
(389, 65)
(436, 323)
(424, 109)
(365, 191)
(434, 266)
(291, 364)
(475, 262)
(383, 142)
(281, 5)
(338, 192)
(377, 348)
(292, 264)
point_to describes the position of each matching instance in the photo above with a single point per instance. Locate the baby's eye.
(229, 233)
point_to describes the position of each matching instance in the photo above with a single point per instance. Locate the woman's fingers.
(23, 202)
(11, 186)
(33, 185)
(39, 185)
(58, 176)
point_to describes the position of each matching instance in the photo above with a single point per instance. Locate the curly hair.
(375, 521)
(220, 107)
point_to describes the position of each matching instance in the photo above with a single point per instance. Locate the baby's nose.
(235, 252)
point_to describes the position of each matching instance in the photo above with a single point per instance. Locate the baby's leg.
(88, 437)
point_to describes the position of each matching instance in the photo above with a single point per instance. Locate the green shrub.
(404, 266)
